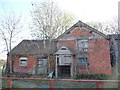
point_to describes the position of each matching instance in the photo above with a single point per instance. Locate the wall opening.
(64, 71)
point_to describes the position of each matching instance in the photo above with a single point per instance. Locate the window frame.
(23, 59)
(83, 45)
(42, 61)
(83, 58)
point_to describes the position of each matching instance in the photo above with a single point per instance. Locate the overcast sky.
(84, 10)
(91, 10)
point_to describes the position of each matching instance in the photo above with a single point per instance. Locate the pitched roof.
(81, 24)
(34, 47)
(64, 50)
(40, 47)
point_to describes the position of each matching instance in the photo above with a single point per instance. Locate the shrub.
(92, 76)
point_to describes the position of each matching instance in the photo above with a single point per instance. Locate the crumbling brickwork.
(98, 52)
(30, 68)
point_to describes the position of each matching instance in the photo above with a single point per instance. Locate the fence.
(51, 84)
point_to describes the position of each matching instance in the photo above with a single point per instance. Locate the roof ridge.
(81, 24)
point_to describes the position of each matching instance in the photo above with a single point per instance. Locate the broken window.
(83, 52)
(23, 61)
(42, 65)
(83, 45)
(63, 48)
(82, 59)
(65, 59)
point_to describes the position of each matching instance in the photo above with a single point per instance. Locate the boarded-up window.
(42, 65)
(65, 59)
(23, 61)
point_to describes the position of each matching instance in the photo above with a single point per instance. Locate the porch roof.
(64, 50)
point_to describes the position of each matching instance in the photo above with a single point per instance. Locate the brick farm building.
(80, 49)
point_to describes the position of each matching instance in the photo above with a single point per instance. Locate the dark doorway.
(64, 71)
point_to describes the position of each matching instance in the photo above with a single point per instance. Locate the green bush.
(92, 76)
(3, 71)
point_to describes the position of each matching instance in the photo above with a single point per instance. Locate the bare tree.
(49, 22)
(102, 27)
(9, 29)
(110, 27)
(114, 25)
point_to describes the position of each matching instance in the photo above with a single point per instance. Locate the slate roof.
(34, 47)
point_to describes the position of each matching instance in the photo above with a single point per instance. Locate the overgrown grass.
(92, 76)
(68, 84)
(3, 83)
(30, 84)
(3, 69)
(45, 84)
(0, 71)
(114, 76)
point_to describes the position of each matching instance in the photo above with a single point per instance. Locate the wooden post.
(9, 83)
(51, 84)
(56, 68)
(99, 85)
(71, 66)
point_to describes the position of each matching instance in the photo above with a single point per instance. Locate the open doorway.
(64, 71)
(64, 62)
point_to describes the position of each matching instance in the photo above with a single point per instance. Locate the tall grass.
(113, 77)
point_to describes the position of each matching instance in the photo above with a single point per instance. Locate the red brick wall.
(98, 59)
(71, 44)
(30, 68)
(98, 53)
(77, 32)
(99, 56)
(31, 65)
